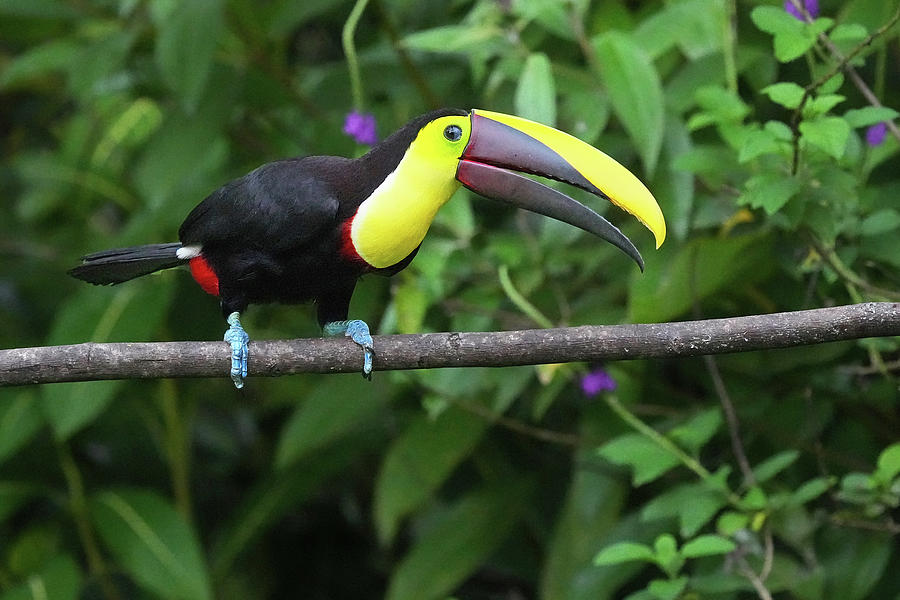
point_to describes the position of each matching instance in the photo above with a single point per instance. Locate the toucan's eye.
(453, 133)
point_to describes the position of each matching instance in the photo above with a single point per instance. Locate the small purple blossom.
(598, 380)
(876, 133)
(361, 127)
(811, 6)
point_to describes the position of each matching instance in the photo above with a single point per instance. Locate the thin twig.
(538, 433)
(90, 361)
(893, 365)
(731, 419)
(412, 70)
(845, 273)
(769, 555)
(888, 526)
(755, 580)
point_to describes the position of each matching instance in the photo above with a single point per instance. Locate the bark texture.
(93, 361)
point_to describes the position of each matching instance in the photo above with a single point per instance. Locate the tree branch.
(92, 361)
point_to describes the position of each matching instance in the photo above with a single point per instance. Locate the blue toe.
(240, 352)
(358, 331)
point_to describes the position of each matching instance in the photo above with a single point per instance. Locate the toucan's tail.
(122, 264)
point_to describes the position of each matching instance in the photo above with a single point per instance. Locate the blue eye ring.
(453, 133)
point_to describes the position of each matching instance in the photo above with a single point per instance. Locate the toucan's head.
(486, 152)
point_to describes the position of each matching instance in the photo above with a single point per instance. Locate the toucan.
(305, 229)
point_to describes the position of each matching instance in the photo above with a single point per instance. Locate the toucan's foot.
(240, 353)
(357, 331)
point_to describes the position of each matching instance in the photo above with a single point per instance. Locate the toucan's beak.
(501, 144)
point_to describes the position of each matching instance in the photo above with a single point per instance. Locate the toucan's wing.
(279, 206)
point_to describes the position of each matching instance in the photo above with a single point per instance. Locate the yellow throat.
(393, 221)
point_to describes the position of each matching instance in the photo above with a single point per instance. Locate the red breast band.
(204, 275)
(348, 250)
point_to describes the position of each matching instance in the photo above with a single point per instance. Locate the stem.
(412, 70)
(521, 301)
(728, 44)
(350, 52)
(177, 448)
(78, 504)
(663, 442)
(734, 430)
(847, 274)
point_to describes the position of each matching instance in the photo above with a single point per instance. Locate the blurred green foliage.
(119, 116)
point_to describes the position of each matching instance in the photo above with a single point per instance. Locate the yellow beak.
(595, 171)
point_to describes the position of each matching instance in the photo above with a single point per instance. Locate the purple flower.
(598, 380)
(811, 6)
(876, 134)
(361, 127)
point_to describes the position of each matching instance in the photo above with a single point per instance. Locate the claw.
(358, 331)
(240, 353)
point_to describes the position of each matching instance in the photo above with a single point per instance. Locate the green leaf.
(38, 61)
(853, 562)
(59, 579)
(624, 552)
(38, 9)
(869, 115)
(792, 37)
(678, 185)
(12, 495)
(411, 301)
(848, 32)
(275, 495)
(774, 465)
(787, 94)
(152, 542)
(20, 420)
(828, 134)
(336, 408)
(720, 105)
(676, 278)
(185, 49)
(550, 14)
(452, 38)
(731, 522)
(635, 91)
(769, 191)
(811, 490)
(879, 222)
(821, 104)
(695, 433)
(648, 460)
(754, 499)
(774, 20)
(535, 97)
(692, 504)
(464, 537)
(419, 461)
(810, 32)
(888, 464)
(667, 556)
(590, 514)
(757, 143)
(94, 314)
(667, 589)
(707, 545)
(691, 25)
